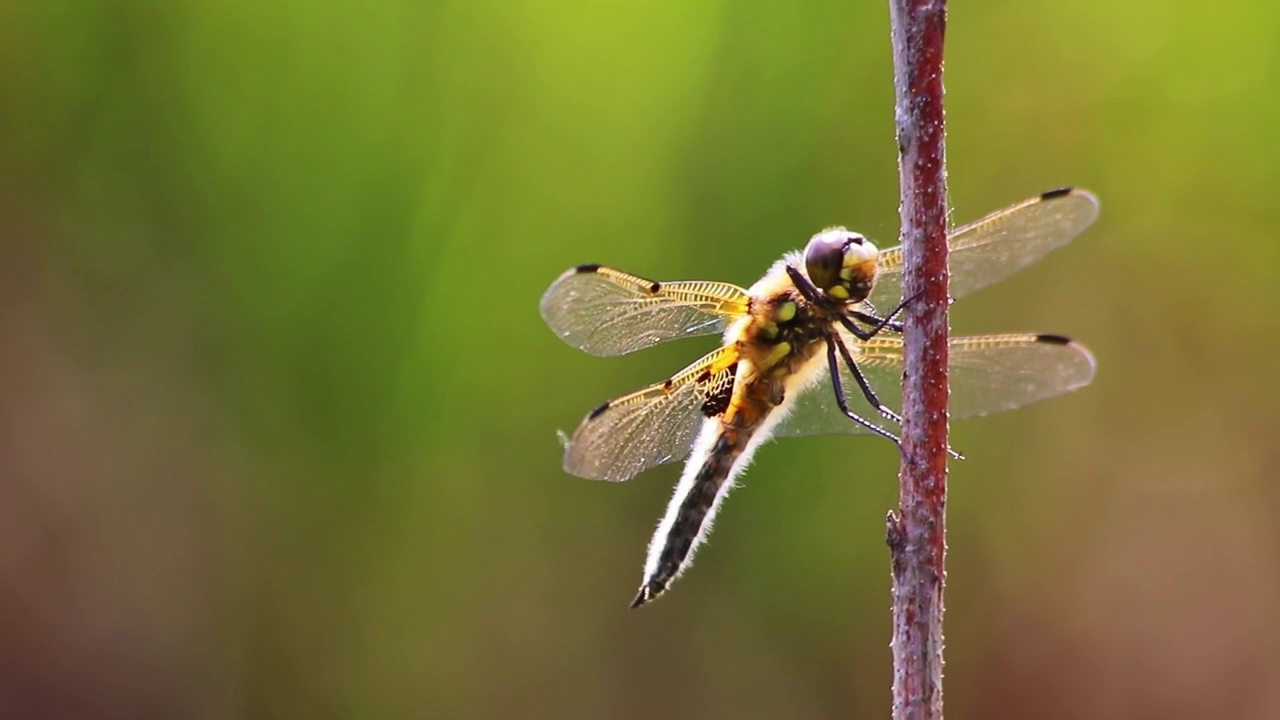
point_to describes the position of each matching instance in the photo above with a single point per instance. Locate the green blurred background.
(278, 412)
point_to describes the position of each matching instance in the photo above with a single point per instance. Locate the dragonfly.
(800, 348)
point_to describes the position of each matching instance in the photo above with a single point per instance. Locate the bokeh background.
(278, 412)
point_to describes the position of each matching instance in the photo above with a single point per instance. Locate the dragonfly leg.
(843, 402)
(815, 296)
(834, 345)
(806, 288)
(880, 323)
(877, 323)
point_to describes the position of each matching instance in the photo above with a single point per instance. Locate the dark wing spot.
(1054, 339)
(666, 386)
(654, 288)
(596, 413)
(584, 269)
(1056, 193)
(718, 390)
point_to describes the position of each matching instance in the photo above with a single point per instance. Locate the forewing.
(987, 374)
(604, 311)
(998, 245)
(656, 425)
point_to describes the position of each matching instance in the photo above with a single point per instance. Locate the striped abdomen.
(719, 455)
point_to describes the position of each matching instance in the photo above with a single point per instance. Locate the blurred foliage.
(278, 413)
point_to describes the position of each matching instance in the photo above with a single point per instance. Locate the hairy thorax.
(783, 334)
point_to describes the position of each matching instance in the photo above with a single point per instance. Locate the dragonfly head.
(841, 263)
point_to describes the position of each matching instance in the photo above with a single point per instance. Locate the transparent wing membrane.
(998, 245)
(603, 311)
(988, 374)
(655, 425)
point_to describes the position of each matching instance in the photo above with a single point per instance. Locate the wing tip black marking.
(1054, 339)
(596, 413)
(588, 268)
(1057, 193)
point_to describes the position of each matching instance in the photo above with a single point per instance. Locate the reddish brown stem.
(917, 531)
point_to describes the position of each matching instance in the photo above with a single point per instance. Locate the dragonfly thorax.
(784, 330)
(841, 264)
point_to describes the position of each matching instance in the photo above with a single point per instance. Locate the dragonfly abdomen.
(721, 452)
(702, 488)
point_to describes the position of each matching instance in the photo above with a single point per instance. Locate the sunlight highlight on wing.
(605, 312)
(988, 374)
(998, 245)
(655, 425)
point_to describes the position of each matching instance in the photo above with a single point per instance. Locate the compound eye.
(824, 257)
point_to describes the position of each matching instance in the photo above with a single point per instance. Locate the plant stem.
(917, 531)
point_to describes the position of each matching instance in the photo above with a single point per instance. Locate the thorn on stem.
(894, 536)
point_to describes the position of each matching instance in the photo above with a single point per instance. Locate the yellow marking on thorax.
(766, 367)
(775, 355)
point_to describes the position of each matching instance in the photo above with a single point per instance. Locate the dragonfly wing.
(994, 373)
(998, 245)
(655, 425)
(987, 374)
(604, 311)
